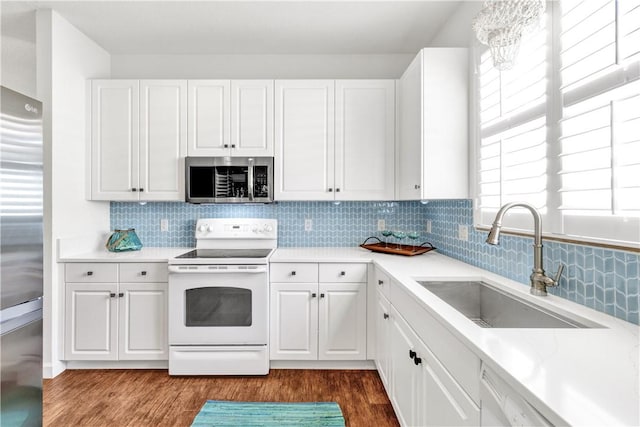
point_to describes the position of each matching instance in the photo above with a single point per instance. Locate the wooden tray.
(392, 248)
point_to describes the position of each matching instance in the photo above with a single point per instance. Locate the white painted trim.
(130, 364)
(52, 370)
(323, 364)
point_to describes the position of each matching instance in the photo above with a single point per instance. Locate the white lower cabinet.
(314, 319)
(422, 391)
(114, 319)
(383, 337)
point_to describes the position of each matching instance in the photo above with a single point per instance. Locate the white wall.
(457, 32)
(259, 66)
(18, 51)
(66, 58)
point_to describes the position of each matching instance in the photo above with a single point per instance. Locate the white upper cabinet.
(138, 139)
(114, 139)
(230, 118)
(334, 139)
(163, 137)
(209, 132)
(304, 140)
(365, 127)
(433, 126)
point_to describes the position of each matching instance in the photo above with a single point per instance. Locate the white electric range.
(219, 299)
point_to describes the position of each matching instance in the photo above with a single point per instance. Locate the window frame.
(519, 222)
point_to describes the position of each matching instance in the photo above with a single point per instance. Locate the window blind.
(562, 129)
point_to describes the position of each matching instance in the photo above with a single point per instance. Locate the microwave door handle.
(250, 179)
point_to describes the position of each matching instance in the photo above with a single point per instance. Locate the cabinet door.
(114, 139)
(304, 140)
(383, 338)
(209, 108)
(252, 118)
(342, 321)
(143, 321)
(294, 321)
(91, 321)
(365, 139)
(442, 402)
(410, 134)
(163, 139)
(405, 378)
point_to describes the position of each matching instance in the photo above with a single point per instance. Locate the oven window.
(218, 306)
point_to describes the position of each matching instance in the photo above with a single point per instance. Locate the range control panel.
(236, 228)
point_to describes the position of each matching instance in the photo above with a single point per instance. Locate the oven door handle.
(201, 270)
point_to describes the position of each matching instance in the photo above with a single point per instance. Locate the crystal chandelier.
(500, 25)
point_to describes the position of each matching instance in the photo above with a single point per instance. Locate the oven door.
(218, 305)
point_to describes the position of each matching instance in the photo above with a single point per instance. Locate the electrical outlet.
(164, 225)
(463, 232)
(382, 225)
(428, 226)
(308, 224)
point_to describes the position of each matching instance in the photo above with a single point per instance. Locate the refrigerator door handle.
(14, 317)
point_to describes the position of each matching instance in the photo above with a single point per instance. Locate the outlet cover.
(382, 225)
(164, 225)
(428, 226)
(463, 232)
(308, 224)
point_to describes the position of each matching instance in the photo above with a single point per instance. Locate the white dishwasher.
(503, 406)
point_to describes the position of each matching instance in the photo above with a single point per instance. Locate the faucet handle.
(556, 279)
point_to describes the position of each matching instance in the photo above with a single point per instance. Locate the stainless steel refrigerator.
(21, 227)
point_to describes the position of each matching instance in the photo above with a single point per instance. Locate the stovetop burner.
(225, 253)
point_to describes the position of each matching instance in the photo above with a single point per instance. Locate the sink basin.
(489, 307)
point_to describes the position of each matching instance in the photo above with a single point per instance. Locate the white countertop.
(584, 376)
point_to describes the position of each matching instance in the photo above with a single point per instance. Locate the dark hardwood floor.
(153, 398)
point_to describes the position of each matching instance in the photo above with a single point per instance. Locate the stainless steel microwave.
(229, 179)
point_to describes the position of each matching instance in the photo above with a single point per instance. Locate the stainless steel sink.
(489, 307)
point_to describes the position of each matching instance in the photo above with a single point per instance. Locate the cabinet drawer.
(294, 272)
(91, 272)
(382, 282)
(143, 272)
(335, 273)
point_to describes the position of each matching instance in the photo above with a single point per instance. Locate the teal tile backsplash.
(604, 279)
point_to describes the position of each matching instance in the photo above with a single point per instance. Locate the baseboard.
(52, 370)
(117, 364)
(323, 364)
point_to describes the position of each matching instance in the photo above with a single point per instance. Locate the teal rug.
(266, 414)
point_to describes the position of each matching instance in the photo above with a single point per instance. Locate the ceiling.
(247, 27)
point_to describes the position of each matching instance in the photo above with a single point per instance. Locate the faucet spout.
(539, 280)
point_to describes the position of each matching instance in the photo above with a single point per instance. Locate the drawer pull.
(112, 295)
(417, 360)
(89, 273)
(313, 295)
(385, 316)
(412, 354)
(380, 282)
(321, 295)
(121, 294)
(293, 273)
(342, 273)
(144, 273)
